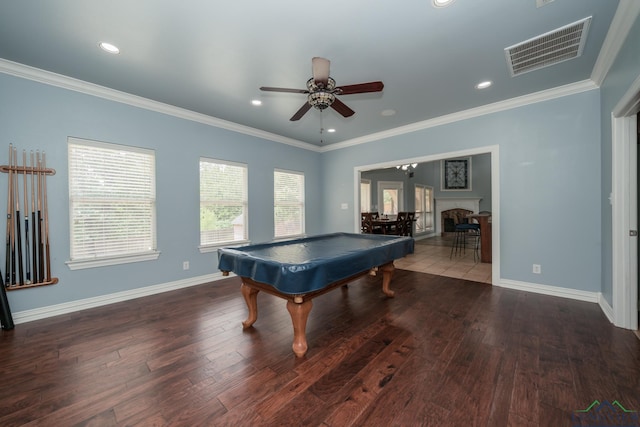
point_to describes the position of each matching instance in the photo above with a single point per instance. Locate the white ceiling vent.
(548, 49)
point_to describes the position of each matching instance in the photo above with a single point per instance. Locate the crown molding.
(65, 82)
(533, 98)
(623, 20)
(69, 83)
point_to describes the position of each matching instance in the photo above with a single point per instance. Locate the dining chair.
(401, 224)
(411, 219)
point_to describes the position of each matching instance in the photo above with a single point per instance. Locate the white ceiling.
(211, 57)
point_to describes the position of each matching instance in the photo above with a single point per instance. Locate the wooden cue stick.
(40, 243)
(7, 267)
(46, 218)
(13, 229)
(34, 237)
(17, 221)
(26, 218)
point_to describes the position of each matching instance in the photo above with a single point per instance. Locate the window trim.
(80, 264)
(304, 206)
(390, 185)
(423, 188)
(213, 247)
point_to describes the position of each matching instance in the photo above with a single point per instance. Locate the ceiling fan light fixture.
(314, 87)
(321, 99)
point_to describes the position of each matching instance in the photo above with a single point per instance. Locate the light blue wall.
(549, 184)
(35, 116)
(555, 178)
(624, 71)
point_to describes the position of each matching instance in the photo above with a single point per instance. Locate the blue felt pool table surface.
(309, 264)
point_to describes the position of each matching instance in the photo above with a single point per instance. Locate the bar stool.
(462, 232)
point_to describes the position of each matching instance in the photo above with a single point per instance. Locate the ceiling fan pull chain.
(321, 126)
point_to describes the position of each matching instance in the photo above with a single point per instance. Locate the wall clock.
(456, 174)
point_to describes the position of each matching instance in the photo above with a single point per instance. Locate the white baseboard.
(555, 291)
(606, 308)
(83, 304)
(72, 306)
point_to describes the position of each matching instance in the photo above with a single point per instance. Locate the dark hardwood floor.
(443, 352)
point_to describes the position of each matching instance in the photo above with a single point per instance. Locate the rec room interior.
(339, 214)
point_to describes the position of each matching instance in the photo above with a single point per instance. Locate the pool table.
(301, 269)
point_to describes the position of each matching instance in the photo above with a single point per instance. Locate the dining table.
(387, 225)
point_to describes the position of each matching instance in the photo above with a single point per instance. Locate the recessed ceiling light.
(108, 47)
(256, 102)
(332, 130)
(388, 112)
(442, 3)
(484, 85)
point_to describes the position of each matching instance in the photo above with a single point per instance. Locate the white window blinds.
(223, 202)
(288, 199)
(112, 200)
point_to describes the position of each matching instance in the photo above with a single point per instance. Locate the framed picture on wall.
(456, 174)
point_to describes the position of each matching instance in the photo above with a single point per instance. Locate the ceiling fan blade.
(360, 88)
(282, 89)
(301, 112)
(341, 108)
(320, 68)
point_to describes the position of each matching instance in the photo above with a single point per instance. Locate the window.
(390, 197)
(288, 209)
(424, 208)
(223, 202)
(365, 195)
(112, 198)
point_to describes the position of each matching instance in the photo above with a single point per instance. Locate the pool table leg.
(251, 298)
(387, 274)
(299, 314)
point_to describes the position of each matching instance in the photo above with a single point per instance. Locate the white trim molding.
(83, 304)
(606, 308)
(555, 291)
(69, 83)
(545, 95)
(624, 209)
(623, 20)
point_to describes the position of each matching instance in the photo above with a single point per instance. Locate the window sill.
(292, 237)
(103, 262)
(216, 246)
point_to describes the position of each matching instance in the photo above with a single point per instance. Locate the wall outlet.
(537, 268)
(185, 265)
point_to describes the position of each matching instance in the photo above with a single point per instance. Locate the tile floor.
(432, 256)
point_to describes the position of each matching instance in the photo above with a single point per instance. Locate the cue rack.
(28, 257)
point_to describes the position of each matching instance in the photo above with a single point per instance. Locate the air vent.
(548, 49)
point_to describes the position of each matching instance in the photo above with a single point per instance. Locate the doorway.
(493, 151)
(624, 201)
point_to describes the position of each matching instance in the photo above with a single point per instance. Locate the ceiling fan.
(322, 90)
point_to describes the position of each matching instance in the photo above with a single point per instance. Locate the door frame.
(625, 208)
(493, 150)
